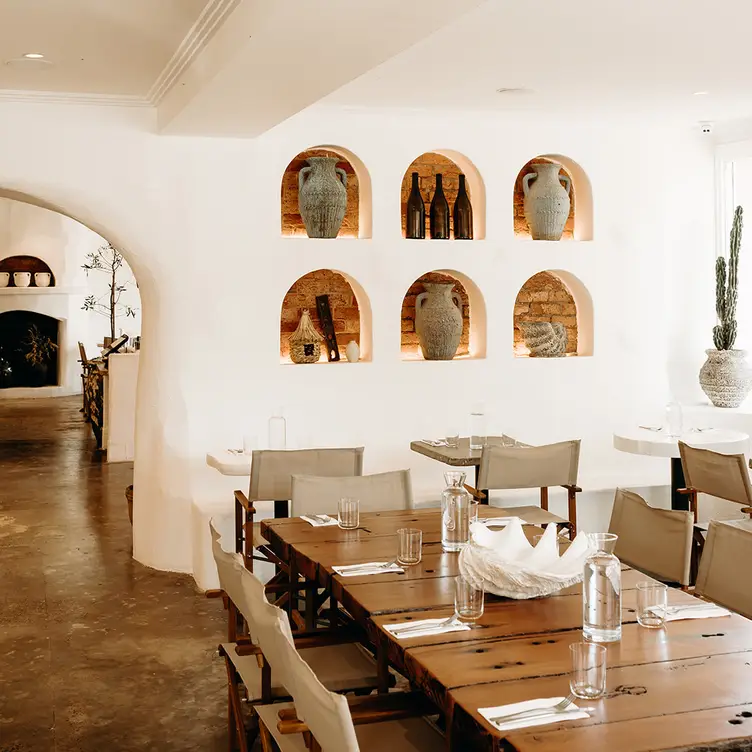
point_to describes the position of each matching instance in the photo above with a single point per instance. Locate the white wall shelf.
(42, 291)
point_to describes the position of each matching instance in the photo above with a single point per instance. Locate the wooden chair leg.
(235, 711)
(267, 743)
(544, 499)
(693, 505)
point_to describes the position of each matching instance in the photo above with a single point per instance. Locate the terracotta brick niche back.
(342, 301)
(292, 222)
(427, 166)
(520, 224)
(544, 297)
(410, 344)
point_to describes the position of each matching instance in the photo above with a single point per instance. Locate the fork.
(321, 518)
(424, 627)
(560, 707)
(356, 567)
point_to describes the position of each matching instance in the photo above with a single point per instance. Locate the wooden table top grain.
(687, 686)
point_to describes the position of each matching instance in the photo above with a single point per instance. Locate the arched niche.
(451, 164)
(16, 371)
(31, 264)
(579, 224)
(349, 306)
(357, 222)
(473, 339)
(555, 295)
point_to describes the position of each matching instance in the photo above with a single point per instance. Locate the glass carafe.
(457, 512)
(278, 430)
(601, 591)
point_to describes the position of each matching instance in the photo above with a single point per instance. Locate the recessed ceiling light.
(699, 93)
(33, 55)
(513, 90)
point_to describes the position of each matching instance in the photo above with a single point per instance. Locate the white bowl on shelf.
(4, 279)
(42, 279)
(21, 279)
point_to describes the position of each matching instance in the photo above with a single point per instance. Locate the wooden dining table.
(687, 686)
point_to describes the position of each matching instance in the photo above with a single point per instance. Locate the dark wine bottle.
(415, 222)
(463, 214)
(439, 221)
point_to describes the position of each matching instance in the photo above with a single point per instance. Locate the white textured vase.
(438, 320)
(21, 279)
(352, 351)
(322, 196)
(726, 377)
(4, 279)
(547, 201)
(42, 279)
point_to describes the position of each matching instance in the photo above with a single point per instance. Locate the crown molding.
(65, 97)
(212, 17)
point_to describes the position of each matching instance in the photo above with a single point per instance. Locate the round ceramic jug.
(322, 196)
(438, 320)
(4, 279)
(42, 279)
(547, 201)
(352, 351)
(726, 377)
(21, 279)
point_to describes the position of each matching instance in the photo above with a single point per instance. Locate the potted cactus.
(726, 377)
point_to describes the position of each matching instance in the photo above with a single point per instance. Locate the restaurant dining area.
(417, 412)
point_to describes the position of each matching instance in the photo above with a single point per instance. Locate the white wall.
(62, 244)
(199, 220)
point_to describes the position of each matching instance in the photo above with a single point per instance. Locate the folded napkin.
(371, 567)
(499, 521)
(435, 442)
(695, 611)
(325, 520)
(432, 627)
(572, 713)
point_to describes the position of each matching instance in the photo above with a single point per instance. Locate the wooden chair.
(322, 720)
(655, 541)
(506, 468)
(334, 657)
(271, 480)
(320, 495)
(722, 475)
(86, 365)
(725, 563)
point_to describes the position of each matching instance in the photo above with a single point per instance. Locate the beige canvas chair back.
(317, 495)
(655, 541)
(326, 714)
(272, 469)
(529, 467)
(721, 475)
(229, 567)
(726, 561)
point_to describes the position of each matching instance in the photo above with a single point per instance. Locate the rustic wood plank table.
(685, 687)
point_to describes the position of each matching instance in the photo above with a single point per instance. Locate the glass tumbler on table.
(651, 604)
(588, 670)
(349, 513)
(477, 428)
(601, 591)
(410, 542)
(468, 600)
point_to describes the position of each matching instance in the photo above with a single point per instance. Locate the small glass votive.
(468, 600)
(249, 442)
(349, 513)
(452, 440)
(651, 604)
(588, 679)
(410, 550)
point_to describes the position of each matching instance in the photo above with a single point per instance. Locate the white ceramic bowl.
(4, 279)
(42, 279)
(21, 279)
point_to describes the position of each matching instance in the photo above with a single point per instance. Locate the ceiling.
(239, 67)
(106, 47)
(631, 57)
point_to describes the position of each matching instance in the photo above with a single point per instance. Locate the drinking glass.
(410, 546)
(651, 604)
(468, 600)
(349, 513)
(452, 440)
(249, 442)
(588, 670)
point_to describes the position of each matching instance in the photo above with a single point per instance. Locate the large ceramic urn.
(726, 377)
(438, 320)
(322, 196)
(547, 201)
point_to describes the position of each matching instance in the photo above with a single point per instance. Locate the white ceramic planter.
(4, 279)
(21, 279)
(726, 377)
(42, 279)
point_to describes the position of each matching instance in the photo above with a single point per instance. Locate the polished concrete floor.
(96, 651)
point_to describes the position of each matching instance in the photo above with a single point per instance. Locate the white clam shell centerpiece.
(506, 563)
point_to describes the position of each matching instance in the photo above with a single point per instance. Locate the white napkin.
(499, 521)
(435, 442)
(695, 611)
(455, 626)
(316, 523)
(540, 720)
(366, 568)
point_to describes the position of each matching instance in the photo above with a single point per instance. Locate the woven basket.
(305, 341)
